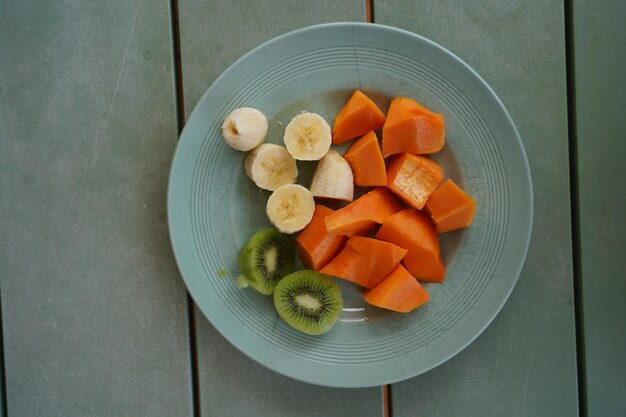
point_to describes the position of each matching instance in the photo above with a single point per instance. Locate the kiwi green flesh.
(266, 258)
(308, 301)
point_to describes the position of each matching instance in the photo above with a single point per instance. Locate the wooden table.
(95, 317)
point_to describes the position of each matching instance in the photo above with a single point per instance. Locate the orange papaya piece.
(357, 117)
(399, 291)
(412, 128)
(412, 230)
(365, 261)
(366, 161)
(414, 178)
(450, 208)
(316, 246)
(363, 213)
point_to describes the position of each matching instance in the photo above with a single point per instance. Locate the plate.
(213, 207)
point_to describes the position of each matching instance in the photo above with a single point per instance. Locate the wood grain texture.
(2, 372)
(524, 364)
(93, 309)
(233, 384)
(599, 63)
(213, 35)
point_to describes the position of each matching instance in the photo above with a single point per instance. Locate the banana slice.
(244, 128)
(333, 178)
(290, 208)
(308, 137)
(270, 166)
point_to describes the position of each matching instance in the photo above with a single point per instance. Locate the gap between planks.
(387, 401)
(568, 17)
(180, 123)
(3, 394)
(369, 11)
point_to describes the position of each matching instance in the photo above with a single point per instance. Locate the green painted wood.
(93, 309)
(233, 384)
(599, 64)
(213, 35)
(524, 364)
(2, 373)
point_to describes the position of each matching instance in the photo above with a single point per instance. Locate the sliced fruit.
(270, 166)
(290, 208)
(265, 259)
(333, 178)
(399, 291)
(307, 137)
(412, 128)
(365, 261)
(308, 301)
(450, 208)
(315, 245)
(364, 213)
(414, 178)
(244, 128)
(412, 230)
(366, 161)
(358, 116)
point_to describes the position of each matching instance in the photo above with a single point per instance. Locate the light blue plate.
(213, 207)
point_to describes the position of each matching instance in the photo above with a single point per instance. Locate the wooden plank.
(3, 403)
(599, 62)
(94, 312)
(214, 34)
(231, 383)
(524, 364)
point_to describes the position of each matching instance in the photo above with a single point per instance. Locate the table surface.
(95, 317)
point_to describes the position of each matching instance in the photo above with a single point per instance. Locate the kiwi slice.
(308, 301)
(266, 258)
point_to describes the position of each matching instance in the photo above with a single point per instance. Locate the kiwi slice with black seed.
(308, 301)
(265, 259)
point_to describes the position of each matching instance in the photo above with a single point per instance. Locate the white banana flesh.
(290, 208)
(270, 166)
(244, 128)
(308, 137)
(333, 178)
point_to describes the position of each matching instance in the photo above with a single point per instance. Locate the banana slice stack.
(273, 167)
